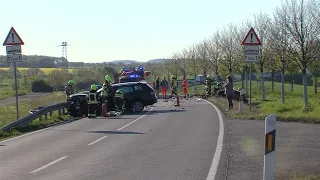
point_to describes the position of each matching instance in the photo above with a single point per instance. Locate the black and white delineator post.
(241, 100)
(270, 150)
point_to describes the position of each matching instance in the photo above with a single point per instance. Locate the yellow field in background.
(45, 70)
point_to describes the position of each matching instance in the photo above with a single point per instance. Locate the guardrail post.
(59, 112)
(50, 114)
(40, 118)
(46, 116)
(63, 111)
(270, 153)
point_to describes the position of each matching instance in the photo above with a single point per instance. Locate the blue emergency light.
(134, 76)
(141, 68)
(124, 69)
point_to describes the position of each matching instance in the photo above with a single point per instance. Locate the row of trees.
(36, 80)
(290, 43)
(38, 61)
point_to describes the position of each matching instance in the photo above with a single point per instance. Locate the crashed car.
(138, 96)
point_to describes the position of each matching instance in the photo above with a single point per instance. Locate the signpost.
(251, 44)
(13, 44)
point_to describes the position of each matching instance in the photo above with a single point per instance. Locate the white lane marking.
(135, 120)
(97, 140)
(47, 165)
(216, 158)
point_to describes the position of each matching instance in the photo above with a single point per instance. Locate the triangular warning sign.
(13, 38)
(251, 38)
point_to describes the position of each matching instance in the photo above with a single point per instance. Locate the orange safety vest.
(185, 84)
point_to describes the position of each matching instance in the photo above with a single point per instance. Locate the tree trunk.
(272, 80)
(282, 87)
(315, 85)
(246, 77)
(262, 87)
(305, 90)
(242, 80)
(292, 81)
(195, 84)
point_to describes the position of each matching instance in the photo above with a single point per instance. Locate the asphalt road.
(28, 97)
(297, 149)
(169, 143)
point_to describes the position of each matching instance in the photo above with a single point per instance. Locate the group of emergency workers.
(106, 97)
(174, 86)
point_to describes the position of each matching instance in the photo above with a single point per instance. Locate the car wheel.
(137, 107)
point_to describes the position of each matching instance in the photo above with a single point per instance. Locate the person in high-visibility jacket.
(92, 102)
(174, 85)
(185, 86)
(69, 90)
(119, 100)
(105, 93)
(108, 79)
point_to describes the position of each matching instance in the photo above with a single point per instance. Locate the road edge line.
(217, 154)
(142, 116)
(39, 130)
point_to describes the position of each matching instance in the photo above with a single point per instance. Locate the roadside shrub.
(41, 86)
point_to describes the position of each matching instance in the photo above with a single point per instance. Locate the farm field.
(45, 70)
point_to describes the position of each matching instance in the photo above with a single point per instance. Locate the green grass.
(6, 90)
(33, 126)
(292, 110)
(297, 176)
(8, 112)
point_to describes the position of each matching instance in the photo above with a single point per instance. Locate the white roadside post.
(241, 101)
(270, 153)
(251, 44)
(13, 44)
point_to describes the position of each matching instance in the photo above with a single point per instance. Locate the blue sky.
(105, 30)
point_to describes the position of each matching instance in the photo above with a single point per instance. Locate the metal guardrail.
(44, 111)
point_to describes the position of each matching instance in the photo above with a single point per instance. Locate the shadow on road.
(167, 111)
(2, 145)
(115, 132)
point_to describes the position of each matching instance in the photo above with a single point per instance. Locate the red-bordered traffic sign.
(251, 38)
(13, 38)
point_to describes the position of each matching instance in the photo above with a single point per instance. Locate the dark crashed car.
(138, 95)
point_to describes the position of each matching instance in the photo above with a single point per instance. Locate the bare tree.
(302, 28)
(230, 47)
(214, 52)
(202, 54)
(262, 23)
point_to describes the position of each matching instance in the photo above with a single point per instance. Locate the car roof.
(127, 84)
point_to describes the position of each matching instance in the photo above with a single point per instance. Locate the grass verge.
(33, 126)
(296, 176)
(291, 111)
(8, 114)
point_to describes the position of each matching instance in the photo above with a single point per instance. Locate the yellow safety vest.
(92, 98)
